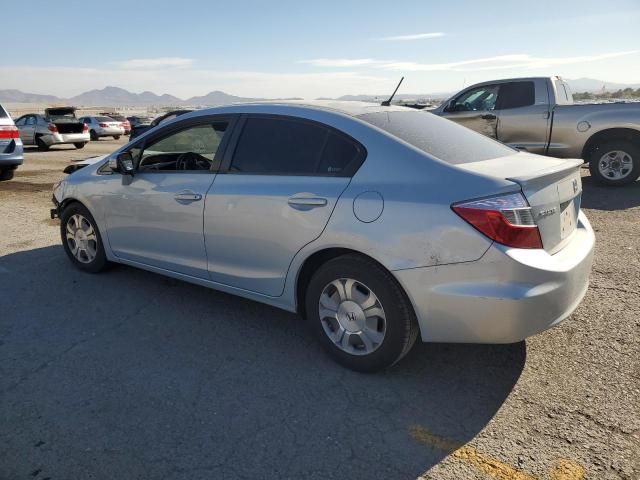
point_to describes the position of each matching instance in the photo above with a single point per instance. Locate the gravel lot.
(130, 375)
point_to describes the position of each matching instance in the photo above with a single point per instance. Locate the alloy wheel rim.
(352, 316)
(615, 165)
(81, 238)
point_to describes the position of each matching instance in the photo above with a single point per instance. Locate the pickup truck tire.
(116, 137)
(615, 163)
(79, 145)
(6, 174)
(43, 147)
(85, 249)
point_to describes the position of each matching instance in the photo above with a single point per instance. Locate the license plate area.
(569, 216)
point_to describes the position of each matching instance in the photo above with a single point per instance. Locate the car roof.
(350, 108)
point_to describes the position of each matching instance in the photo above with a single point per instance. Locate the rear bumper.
(64, 138)
(109, 132)
(12, 154)
(506, 296)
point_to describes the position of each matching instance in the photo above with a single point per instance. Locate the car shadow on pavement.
(600, 197)
(129, 374)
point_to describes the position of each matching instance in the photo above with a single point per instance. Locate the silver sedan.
(377, 224)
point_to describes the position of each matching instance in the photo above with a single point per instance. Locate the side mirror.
(124, 163)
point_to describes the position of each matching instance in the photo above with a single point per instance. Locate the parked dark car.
(140, 129)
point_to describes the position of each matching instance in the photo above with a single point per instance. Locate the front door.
(156, 219)
(475, 109)
(276, 196)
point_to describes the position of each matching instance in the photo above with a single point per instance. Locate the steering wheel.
(191, 161)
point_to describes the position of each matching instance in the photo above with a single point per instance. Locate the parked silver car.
(103, 127)
(11, 154)
(377, 224)
(58, 126)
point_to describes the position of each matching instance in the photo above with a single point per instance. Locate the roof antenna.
(387, 103)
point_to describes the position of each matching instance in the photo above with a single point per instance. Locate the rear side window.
(438, 137)
(516, 95)
(3, 112)
(292, 147)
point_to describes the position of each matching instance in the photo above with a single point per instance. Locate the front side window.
(479, 99)
(191, 149)
(516, 95)
(282, 146)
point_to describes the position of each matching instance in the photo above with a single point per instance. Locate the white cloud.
(342, 62)
(501, 62)
(415, 36)
(155, 62)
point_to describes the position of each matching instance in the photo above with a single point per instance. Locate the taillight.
(104, 125)
(9, 131)
(85, 128)
(52, 128)
(506, 219)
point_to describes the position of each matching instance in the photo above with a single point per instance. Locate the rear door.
(475, 109)
(28, 130)
(274, 195)
(524, 116)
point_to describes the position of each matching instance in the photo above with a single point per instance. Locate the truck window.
(477, 99)
(516, 95)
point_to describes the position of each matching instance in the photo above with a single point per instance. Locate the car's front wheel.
(81, 239)
(360, 313)
(93, 135)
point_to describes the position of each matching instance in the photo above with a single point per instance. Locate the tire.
(75, 215)
(116, 137)
(622, 155)
(80, 145)
(93, 135)
(43, 147)
(396, 329)
(6, 174)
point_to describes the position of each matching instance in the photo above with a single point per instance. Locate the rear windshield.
(3, 113)
(437, 136)
(104, 119)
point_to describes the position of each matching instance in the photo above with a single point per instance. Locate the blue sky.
(327, 48)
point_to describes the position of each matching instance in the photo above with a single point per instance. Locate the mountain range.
(115, 96)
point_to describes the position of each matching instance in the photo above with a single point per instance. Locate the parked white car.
(103, 127)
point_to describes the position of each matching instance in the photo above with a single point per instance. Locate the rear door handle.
(187, 196)
(488, 116)
(306, 203)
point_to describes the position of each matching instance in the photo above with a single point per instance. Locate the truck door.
(475, 109)
(524, 115)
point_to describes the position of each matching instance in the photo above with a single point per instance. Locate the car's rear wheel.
(79, 145)
(615, 163)
(360, 314)
(93, 135)
(81, 239)
(6, 174)
(116, 137)
(43, 147)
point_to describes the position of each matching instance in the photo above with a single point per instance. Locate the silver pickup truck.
(538, 115)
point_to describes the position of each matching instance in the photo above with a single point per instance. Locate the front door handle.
(306, 203)
(187, 196)
(488, 116)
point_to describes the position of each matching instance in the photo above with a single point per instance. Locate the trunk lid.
(552, 186)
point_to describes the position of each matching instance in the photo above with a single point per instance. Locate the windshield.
(437, 136)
